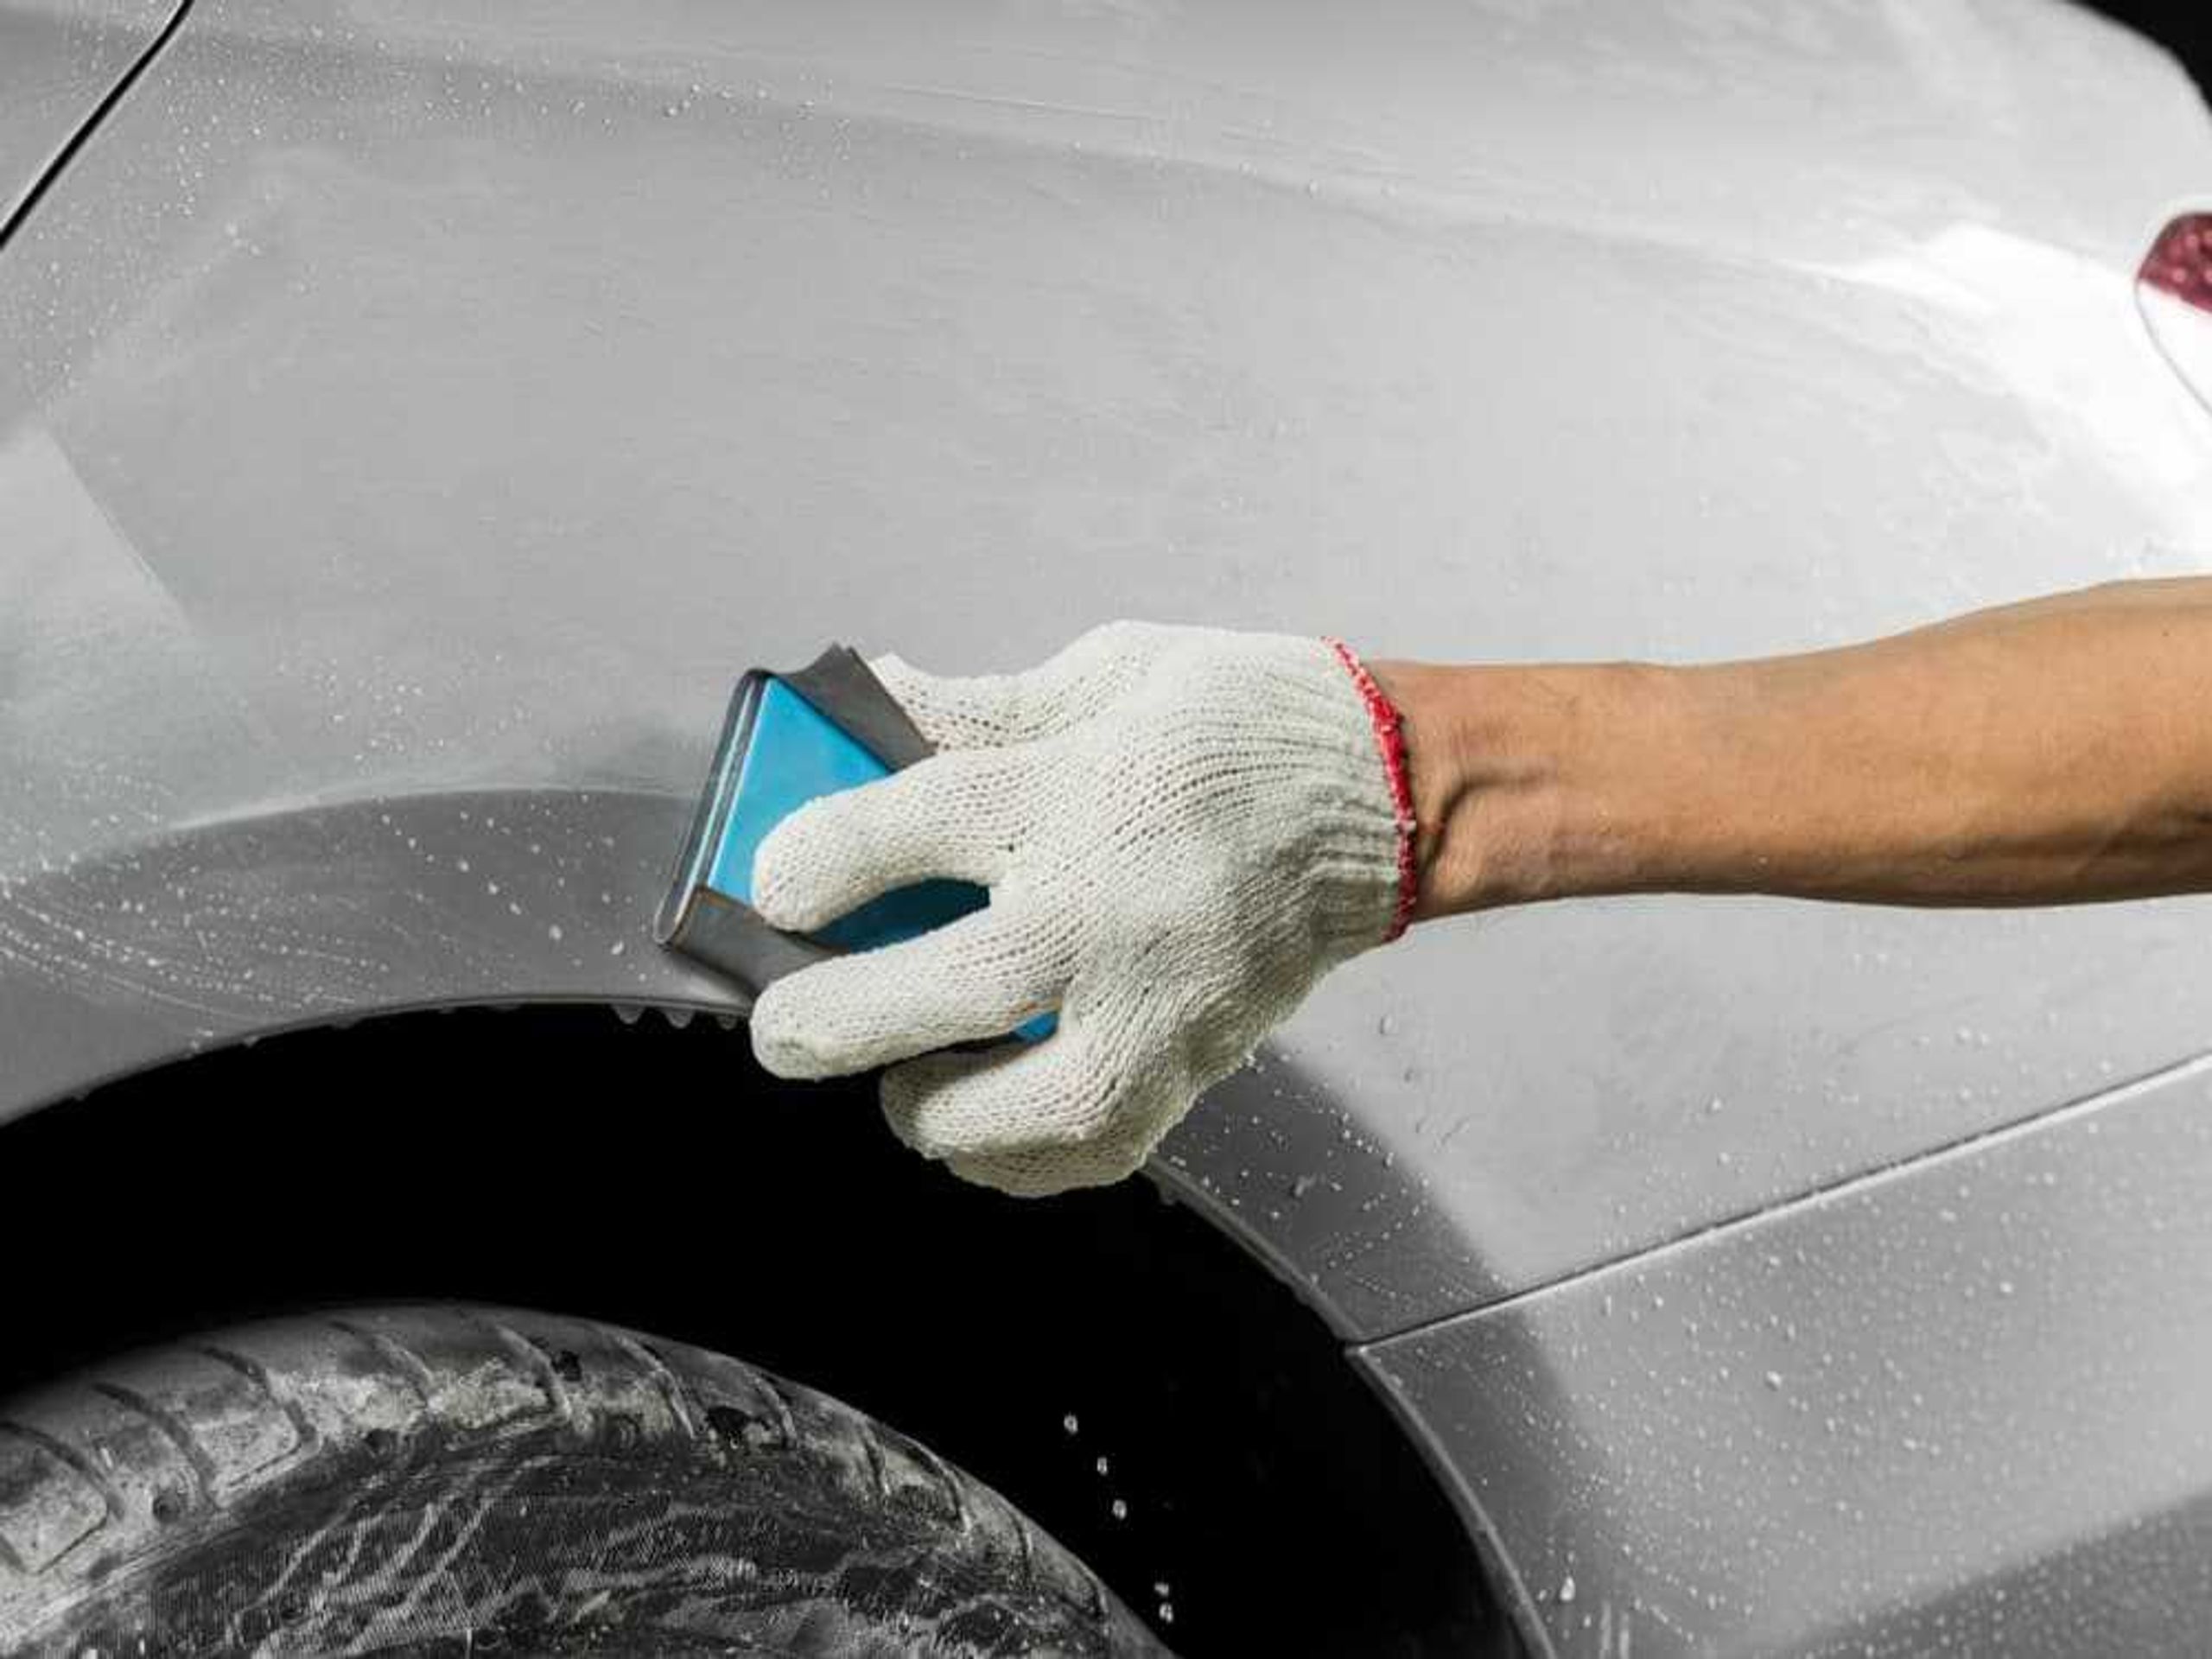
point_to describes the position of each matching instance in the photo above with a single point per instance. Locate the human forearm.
(2054, 751)
(1184, 830)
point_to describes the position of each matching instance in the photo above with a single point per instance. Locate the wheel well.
(652, 1176)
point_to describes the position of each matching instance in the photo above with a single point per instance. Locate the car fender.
(416, 424)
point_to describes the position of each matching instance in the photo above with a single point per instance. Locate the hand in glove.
(1182, 830)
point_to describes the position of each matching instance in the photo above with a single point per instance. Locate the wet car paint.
(58, 61)
(1957, 1408)
(417, 415)
(413, 406)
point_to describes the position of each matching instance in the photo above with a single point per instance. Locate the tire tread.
(103, 1454)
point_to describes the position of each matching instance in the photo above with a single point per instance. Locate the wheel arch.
(266, 1094)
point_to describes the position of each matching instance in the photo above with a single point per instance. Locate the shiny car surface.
(412, 418)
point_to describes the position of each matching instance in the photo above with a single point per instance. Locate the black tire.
(464, 1480)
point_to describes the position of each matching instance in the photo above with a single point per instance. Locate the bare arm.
(2045, 752)
(1185, 828)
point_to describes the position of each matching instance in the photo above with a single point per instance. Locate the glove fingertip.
(780, 1025)
(1047, 1171)
(770, 1032)
(1017, 1177)
(786, 891)
(906, 1091)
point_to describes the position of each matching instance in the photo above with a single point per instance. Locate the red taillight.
(2173, 296)
(2180, 261)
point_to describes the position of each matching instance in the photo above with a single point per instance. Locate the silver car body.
(58, 65)
(412, 418)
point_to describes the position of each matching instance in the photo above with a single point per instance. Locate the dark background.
(649, 1175)
(2184, 30)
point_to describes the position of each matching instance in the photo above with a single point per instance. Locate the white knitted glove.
(1182, 830)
